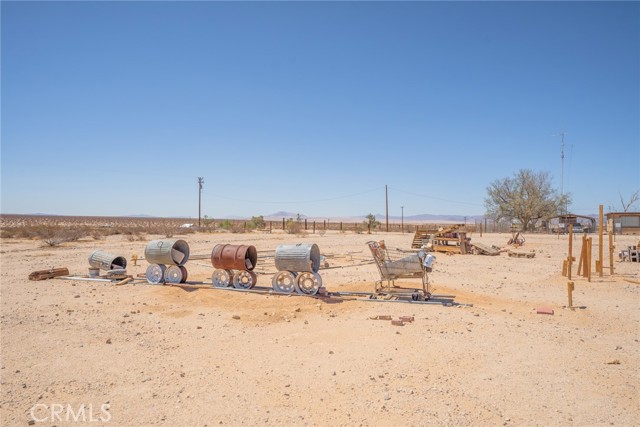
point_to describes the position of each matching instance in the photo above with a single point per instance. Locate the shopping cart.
(401, 264)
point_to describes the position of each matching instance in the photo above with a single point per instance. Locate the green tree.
(526, 197)
(370, 222)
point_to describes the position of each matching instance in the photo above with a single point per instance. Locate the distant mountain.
(284, 214)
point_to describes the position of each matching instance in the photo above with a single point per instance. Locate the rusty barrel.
(106, 261)
(167, 251)
(234, 257)
(300, 257)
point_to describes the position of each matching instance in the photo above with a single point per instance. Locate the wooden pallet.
(522, 254)
(485, 249)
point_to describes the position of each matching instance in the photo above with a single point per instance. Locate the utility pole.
(386, 198)
(200, 182)
(402, 219)
(561, 134)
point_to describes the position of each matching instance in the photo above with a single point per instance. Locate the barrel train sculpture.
(297, 266)
(159, 254)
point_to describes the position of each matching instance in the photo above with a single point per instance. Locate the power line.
(292, 202)
(435, 198)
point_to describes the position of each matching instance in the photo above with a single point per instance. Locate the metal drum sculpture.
(159, 253)
(234, 264)
(106, 261)
(298, 267)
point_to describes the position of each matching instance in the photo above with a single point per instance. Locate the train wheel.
(222, 278)
(284, 282)
(173, 274)
(155, 273)
(308, 283)
(184, 274)
(245, 279)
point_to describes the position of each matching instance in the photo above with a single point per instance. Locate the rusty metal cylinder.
(300, 257)
(106, 261)
(234, 257)
(167, 251)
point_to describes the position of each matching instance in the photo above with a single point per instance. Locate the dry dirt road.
(143, 355)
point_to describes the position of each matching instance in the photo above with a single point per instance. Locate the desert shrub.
(257, 222)
(295, 226)
(225, 225)
(135, 236)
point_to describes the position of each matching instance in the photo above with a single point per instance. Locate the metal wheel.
(155, 273)
(284, 282)
(184, 274)
(222, 278)
(244, 279)
(173, 274)
(308, 283)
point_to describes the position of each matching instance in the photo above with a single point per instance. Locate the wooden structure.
(623, 222)
(422, 236)
(452, 239)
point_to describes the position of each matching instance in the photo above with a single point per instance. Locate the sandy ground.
(159, 355)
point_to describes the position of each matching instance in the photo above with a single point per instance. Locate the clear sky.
(116, 108)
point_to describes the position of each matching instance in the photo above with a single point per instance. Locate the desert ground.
(150, 355)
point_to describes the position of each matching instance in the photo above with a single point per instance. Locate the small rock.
(613, 362)
(108, 341)
(235, 316)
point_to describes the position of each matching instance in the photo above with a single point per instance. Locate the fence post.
(305, 224)
(314, 227)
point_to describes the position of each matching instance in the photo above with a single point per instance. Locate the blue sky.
(115, 108)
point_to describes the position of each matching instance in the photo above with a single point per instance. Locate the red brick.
(545, 310)
(397, 323)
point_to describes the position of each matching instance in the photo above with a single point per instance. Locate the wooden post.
(134, 258)
(305, 224)
(600, 267)
(324, 224)
(314, 227)
(570, 258)
(583, 255)
(340, 225)
(283, 223)
(570, 289)
(611, 247)
(480, 228)
(564, 267)
(588, 263)
(270, 224)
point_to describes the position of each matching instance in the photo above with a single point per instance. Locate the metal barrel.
(167, 251)
(234, 257)
(106, 261)
(300, 257)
